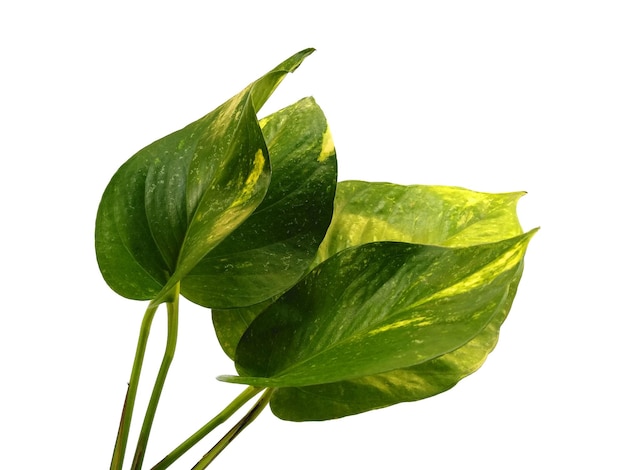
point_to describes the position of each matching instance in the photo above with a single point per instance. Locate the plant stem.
(234, 432)
(131, 393)
(226, 413)
(170, 348)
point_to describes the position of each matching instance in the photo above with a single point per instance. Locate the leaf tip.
(292, 63)
(233, 379)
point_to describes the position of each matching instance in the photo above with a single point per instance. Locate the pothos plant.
(331, 298)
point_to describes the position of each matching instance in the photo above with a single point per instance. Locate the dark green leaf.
(177, 199)
(376, 308)
(349, 397)
(274, 247)
(231, 324)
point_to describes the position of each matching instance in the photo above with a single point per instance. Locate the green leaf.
(180, 197)
(376, 308)
(455, 217)
(367, 212)
(231, 324)
(349, 397)
(431, 215)
(274, 247)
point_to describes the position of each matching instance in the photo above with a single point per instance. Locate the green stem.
(234, 432)
(170, 348)
(226, 413)
(131, 393)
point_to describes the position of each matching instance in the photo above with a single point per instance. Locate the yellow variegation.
(433, 215)
(376, 308)
(366, 212)
(274, 247)
(349, 397)
(180, 197)
(371, 212)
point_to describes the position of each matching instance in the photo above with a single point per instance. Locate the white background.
(488, 95)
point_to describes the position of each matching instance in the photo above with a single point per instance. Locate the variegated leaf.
(274, 247)
(367, 212)
(376, 308)
(349, 397)
(180, 197)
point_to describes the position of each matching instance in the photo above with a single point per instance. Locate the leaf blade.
(276, 244)
(179, 197)
(128, 257)
(350, 397)
(367, 212)
(432, 215)
(382, 300)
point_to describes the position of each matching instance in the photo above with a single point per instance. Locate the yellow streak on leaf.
(228, 113)
(504, 263)
(253, 177)
(493, 269)
(328, 146)
(421, 321)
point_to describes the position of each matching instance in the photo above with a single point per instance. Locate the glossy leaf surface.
(349, 397)
(485, 218)
(274, 247)
(431, 215)
(367, 212)
(180, 197)
(376, 308)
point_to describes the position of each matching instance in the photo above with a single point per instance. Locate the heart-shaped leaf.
(274, 247)
(367, 212)
(180, 197)
(458, 217)
(376, 308)
(349, 397)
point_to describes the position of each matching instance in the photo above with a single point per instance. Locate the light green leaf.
(274, 247)
(431, 215)
(376, 308)
(177, 199)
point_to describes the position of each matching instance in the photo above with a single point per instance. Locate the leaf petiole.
(226, 413)
(170, 348)
(129, 403)
(234, 432)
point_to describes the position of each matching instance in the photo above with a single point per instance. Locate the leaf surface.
(376, 308)
(367, 212)
(454, 217)
(431, 215)
(349, 397)
(274, 247)
(180, 197)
